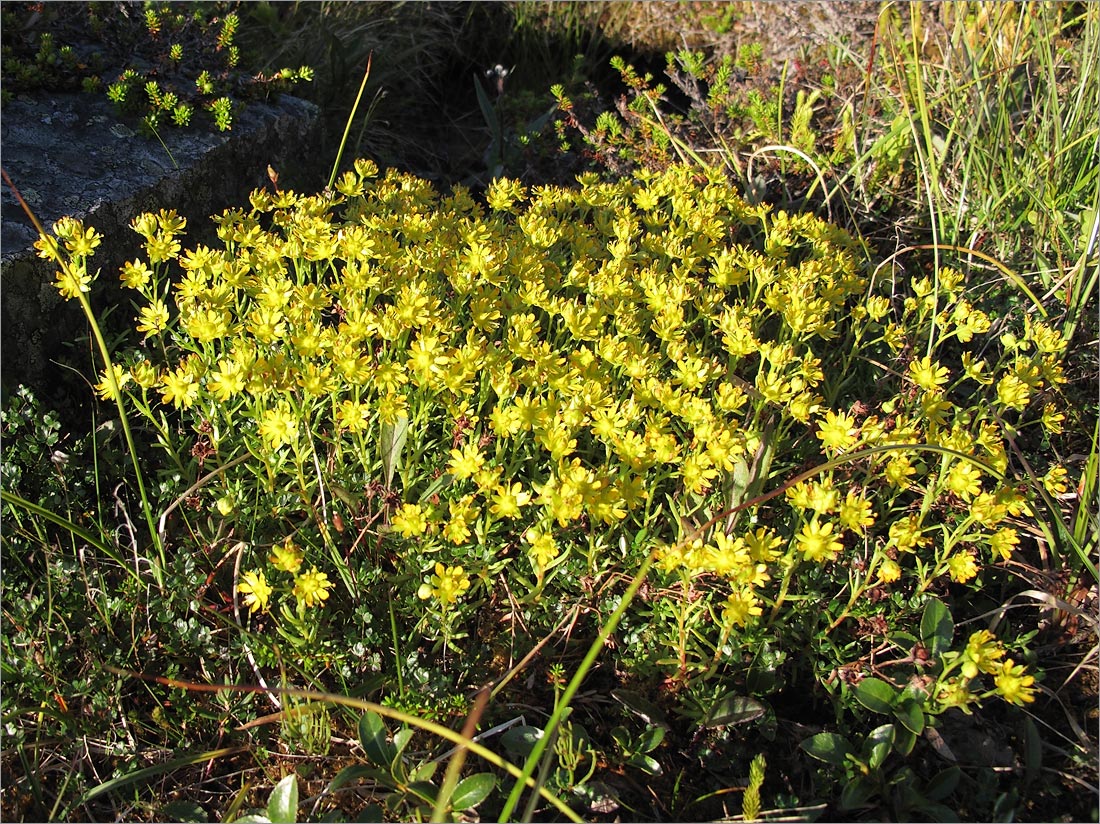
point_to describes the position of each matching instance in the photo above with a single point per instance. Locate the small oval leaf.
(877, 745)
(372, 735)
(733, 709)
(856, 793)
(911, 715)
(904, 740)
(942, 784)
(828, 747)
(651, 739)
(471, 791)
(937, 627)
(282, 806)
(876, 695)
(401, 739)
(641, 707)
(519, 741)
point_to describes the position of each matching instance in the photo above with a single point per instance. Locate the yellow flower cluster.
(569, 357)
(309, 589)
(605, 339)
(984, 654)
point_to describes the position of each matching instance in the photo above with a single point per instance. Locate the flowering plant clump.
(529, 393)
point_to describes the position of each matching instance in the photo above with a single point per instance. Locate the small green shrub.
(160, 67)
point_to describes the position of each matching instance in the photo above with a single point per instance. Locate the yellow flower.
(410, 521)
(1013, 393)
(256, 591)
(145, 225)
(144, 374)
(962, 567)
(740, 607)
(817, 542)
(697, 472)
(889, 571)
(72, 280)
(982, 654)
(103, 388)
(466, 462)
(1055, 480)
(543, 547)
(81, 242)
(855, 513)
(507, 501)
(763, 545)
(153, 318)
(180, 387)
(353, 415)
(975, 370)
(278, 427)
(48, 248)
(205, 324)
(964, 480)
(1003, 541)
(162, 247)
(311, 588)
(987, 510)
(928, 374)
(286, 557)
(136, 274)
(899, 470)
(462, 513)
(956, 693)
(447, 585)
(1053, 419)
(1014, 685)
(906, 534)
(227, 381)
(838, 432)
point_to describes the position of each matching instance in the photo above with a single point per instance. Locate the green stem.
(571, 690)
(158, 569)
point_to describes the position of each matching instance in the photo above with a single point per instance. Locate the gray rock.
(70, 154)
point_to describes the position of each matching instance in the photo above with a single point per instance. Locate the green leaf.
(828, 747)
(904, 740)
(651, 739)
(938, 812)
(937, 627)
(184, 811)
(401, 739)
(877, 745)
(356, 772)
(372, 735)
(911, 715)
(426, 791)
(857, 793)
(282, 806)
(519, 741)
(733, 709)
(1033, 750)
(646, 763)
(942, 784)
(372, 814)
(472, 790)
(641, 707)
(622, 738)
(392, 445)
(876, 695)
(424, 772)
